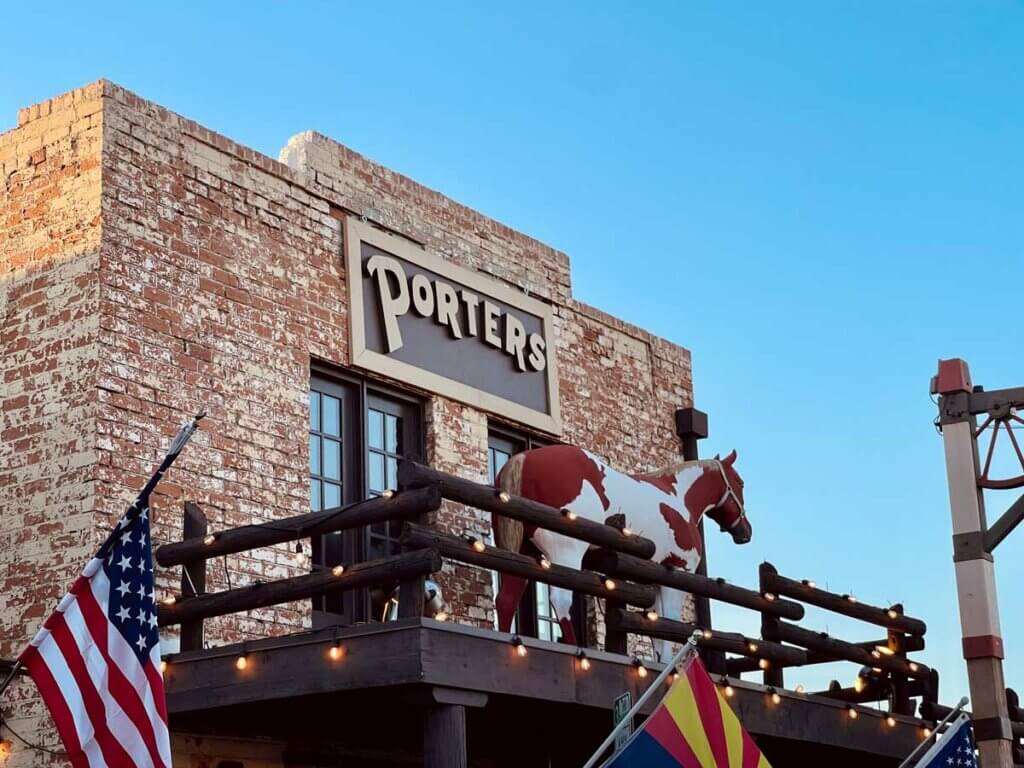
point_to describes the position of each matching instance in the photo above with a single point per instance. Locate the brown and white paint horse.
(665, 506)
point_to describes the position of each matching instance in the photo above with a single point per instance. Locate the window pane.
(314, 495)
(332, 459)
(314, 455)
(392, 478)
(376, 472)
(391, 429)
(332, 495)
(375, 428)
(331, 415)
(314, 411)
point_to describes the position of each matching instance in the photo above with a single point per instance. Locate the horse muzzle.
(742, 532)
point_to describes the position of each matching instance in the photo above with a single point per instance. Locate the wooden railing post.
(615, 638)
(773, 675)
(193, 575)
(412, 591)
(901, 703)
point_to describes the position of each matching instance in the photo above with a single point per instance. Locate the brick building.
(150, 267)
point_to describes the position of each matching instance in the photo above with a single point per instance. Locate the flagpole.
(11, 675)
(653, 688)
(935, 732)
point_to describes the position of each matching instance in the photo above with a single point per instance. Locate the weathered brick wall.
(49, 323)
(209, 275)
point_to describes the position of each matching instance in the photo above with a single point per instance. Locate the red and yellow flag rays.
(697, 727)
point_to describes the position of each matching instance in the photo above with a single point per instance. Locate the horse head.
(729, 512)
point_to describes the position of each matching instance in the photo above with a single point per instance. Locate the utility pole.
(960, 404)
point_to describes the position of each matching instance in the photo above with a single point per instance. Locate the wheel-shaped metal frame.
(1001, 419)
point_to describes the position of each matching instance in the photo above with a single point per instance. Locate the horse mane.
(677, 467)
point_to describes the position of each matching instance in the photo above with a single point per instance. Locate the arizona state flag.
(693, 727)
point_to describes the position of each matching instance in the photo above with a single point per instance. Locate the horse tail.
(508, 533)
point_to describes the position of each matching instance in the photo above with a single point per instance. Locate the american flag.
(954, 749)
(96, 660)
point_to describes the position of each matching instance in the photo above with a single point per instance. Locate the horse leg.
(672, 601)
(568, 552)
(507, 602)
(561, 602)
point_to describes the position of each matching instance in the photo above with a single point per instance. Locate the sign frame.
(357, 232)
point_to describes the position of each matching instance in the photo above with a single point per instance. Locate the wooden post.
(975, 575)
(412, 590)
(773, 674)
(901, 703)
(193, 575)
(691, 427)
(615, 638)
(444, 736)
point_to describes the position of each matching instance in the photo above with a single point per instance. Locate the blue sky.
(819, 199)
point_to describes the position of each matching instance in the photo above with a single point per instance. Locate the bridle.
(726, 495)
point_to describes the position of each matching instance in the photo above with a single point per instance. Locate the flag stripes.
(108, 708)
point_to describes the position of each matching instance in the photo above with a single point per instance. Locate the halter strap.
(726, 493)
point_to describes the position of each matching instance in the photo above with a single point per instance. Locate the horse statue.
(665, 506)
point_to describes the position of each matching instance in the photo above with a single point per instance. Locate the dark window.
(357, 435)
(535, 616)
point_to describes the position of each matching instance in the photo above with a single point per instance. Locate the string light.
(651, 615)
(519, 645)
(241, 662)
(926, 732)
(707, 634)
(884, 650)
(505, 497)
(800, 689)
(859, 684)
(769, 596)
(545, 563)
(336, 651)
(338, 570)
(876, 654)
(170, 599)
(584, 661)
(388, 494)
(809, 583)
(752, 646)
(852, 713)
(641, 670)
(890, 721)
(609, 584)
(209, 538)
(892, 613)
(774, 695)
(163, 666)
(671, 677)
(627, 531)
(300, 555)
(763, 663)
(475, 543)
(727, 689)
(441, 616)
(568, 514)
(913, 666)
(850, 598)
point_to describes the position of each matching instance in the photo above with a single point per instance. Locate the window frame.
(348, 547)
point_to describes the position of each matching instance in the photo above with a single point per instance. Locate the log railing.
(617, 569)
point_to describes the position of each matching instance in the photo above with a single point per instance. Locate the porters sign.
(419, 319)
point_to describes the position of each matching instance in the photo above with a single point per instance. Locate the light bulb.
(859, 684)
(852, 713)
(913, 666)
(769, 596)
(609, 584)
(707, 634)
(892, 613)
(545, 563)
(926, 732)
(776, 699)
(388, 493)
(476, 543)
(336, 652)
(170, 599)
(763, 663)
(519, 645)
(505, 497)
(163, 666)
(241, 662)
(338, 570)
(890, 721)
(569, 514)
(752, 646)
(800, 689)
(441, 616)
(729, 691)
(884, 650)
(584, 661)
(627, 531)
(851, 598)
(651, 615)
(209, 538)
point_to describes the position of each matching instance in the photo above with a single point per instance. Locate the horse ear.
(718, 457)
(731, 458)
